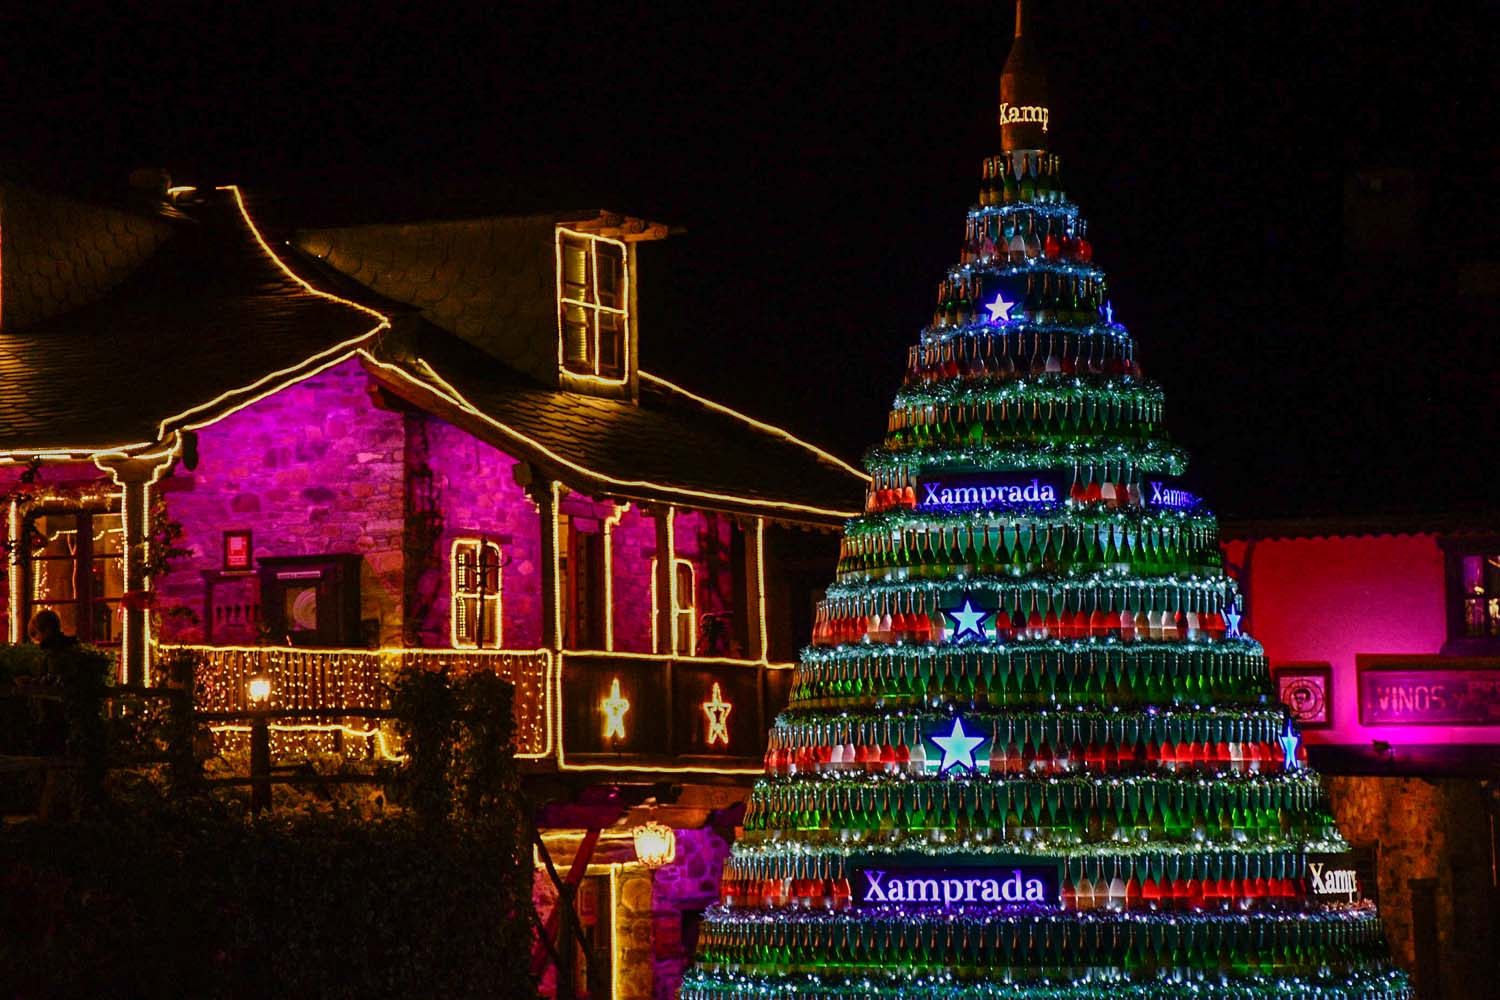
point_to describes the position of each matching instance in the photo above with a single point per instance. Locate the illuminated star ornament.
(1000, 309)
(1231, 623)
(717, 710)
(1289, 743)
(958, 748)
(968, 620)
(614, 708)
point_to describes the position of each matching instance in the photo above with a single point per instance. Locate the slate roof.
(59, 253)
(203, 314)
(668, 446)
(190, 317)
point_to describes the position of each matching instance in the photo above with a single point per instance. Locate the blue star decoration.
(1289, 743)
(1000, 309)
(968, 620)
(1231, 623)
(958, 748)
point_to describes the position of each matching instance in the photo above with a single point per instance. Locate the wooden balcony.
(575, 710)
(639, 712)
(356, 679)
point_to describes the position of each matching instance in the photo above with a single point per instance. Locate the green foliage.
(195, 902)
(166, 891)
(426, 707)
(23, 660)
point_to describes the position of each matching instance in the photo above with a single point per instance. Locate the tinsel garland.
(1142, 456)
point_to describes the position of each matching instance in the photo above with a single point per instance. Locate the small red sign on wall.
(237, 550)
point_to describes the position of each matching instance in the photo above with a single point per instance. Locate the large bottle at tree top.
(1029, 752)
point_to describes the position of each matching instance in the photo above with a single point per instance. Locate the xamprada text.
(1011, 114)
(949, 890)
(1339, 882)
(938, 495)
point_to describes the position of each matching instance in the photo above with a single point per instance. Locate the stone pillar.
(135, 477)
(635, 925)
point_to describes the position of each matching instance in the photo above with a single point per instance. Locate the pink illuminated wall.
(319, 468)
(460, 487)
(330, 465)
(1328, 599)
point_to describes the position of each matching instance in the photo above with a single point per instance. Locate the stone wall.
(1426, 828)
(319, 468)
(681, 891)
(314, 469)
(461, 487)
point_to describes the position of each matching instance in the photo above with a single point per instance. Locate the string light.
(608, 531)
(614, 708)
(304, 678)
(441, 387)
(717, 710)
(594, 308)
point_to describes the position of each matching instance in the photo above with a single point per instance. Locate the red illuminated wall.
(1328, 599)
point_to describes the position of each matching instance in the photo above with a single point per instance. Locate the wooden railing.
(325, 679)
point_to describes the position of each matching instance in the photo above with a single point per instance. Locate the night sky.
(820, 156)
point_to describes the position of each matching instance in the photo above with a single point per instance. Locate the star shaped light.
(958, 748)
(614, 708)
(1289, 743)
(1000, 309)
(1231, 623)
(968, 620)
(717, 710)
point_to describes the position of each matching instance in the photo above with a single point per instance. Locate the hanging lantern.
(655, 844)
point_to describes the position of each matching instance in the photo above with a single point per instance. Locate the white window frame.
(591, 305)
(459, 594)
(686, 605)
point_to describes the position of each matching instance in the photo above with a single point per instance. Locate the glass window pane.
(575, 269)
(577, 339)
(105, 620)
(55, 535)
(611, 343)
(66, 613)
(108, 534)
(610, 286)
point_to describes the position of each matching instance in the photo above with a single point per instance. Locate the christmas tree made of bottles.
(1029, 752)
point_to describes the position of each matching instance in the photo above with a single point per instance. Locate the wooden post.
(135, 477)
(755, 590)
(545, 495)
(1424, 931)
(666, 585)
(260, 761)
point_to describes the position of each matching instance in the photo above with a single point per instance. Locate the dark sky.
(821, 155)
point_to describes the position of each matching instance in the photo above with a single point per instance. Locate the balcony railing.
(594, 711)
(639, 711)
(356, 679)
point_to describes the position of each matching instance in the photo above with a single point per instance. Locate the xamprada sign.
(1333, 876)
(1011, 114)
(983, 490)
(1166, 495)
(990, 490)
(949, 887)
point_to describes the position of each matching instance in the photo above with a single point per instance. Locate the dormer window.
(593, 315)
